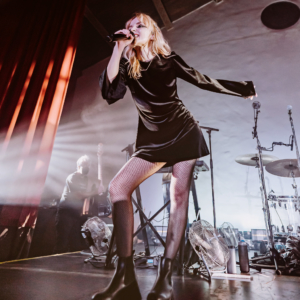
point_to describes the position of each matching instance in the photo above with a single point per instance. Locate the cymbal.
(284, 168)
(250, 159)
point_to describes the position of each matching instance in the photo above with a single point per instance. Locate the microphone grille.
(289, 107)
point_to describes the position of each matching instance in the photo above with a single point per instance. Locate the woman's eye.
(141, 26)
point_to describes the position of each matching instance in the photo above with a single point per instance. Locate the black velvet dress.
(167, 131)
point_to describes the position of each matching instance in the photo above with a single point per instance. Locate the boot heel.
(131, 292)
(162, 288)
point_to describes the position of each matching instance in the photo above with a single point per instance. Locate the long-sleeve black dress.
(167, 131)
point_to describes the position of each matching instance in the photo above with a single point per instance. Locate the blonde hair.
(158, 45)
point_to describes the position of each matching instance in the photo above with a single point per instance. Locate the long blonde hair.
(158, 45)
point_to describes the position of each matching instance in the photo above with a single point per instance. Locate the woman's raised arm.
(114, 62)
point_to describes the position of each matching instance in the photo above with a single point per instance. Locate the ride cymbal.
(251, 159)
(284, 168)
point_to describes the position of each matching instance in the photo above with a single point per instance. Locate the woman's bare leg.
(179, 192)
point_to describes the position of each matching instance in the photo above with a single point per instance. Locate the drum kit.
(279, 167)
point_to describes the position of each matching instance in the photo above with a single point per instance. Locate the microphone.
(118, 37)
(289, 109)
(256, 104)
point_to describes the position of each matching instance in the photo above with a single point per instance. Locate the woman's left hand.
(251, 97)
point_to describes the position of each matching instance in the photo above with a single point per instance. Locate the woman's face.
(141, 31)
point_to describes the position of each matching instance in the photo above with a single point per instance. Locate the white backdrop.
(225, 41)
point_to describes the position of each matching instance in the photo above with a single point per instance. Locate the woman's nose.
(134, 28)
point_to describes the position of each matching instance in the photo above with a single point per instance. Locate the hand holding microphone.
(123, 37)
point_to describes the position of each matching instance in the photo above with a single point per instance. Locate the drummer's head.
(83, 165)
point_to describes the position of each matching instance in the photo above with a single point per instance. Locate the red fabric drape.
(38, 46)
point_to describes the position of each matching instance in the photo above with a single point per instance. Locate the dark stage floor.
(66, 277)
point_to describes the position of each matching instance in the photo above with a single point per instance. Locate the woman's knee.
(117, 192)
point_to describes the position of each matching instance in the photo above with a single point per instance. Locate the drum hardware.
(252, 159)
(285, 200)
(284, 168)
(287, 168)
(260, 163)
(294, 139)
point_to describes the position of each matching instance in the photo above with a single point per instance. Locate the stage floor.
(67, 277)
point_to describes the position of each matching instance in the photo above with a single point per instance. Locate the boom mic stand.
(267, 216)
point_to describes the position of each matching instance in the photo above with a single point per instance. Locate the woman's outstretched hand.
(251, 97)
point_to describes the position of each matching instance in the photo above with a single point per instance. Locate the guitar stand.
(147, 221)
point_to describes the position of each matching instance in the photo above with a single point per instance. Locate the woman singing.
(168, 135)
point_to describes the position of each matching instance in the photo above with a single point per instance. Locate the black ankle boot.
(162, 289)
(123, 285)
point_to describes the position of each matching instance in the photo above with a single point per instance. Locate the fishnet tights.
(133, 173)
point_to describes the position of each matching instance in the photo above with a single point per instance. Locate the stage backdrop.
(224, 41)
(38, 46)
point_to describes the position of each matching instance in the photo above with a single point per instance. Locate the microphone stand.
(267, 216)
(209, 130)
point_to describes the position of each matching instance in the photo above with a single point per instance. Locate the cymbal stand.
(267, 216)
(294, 139)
